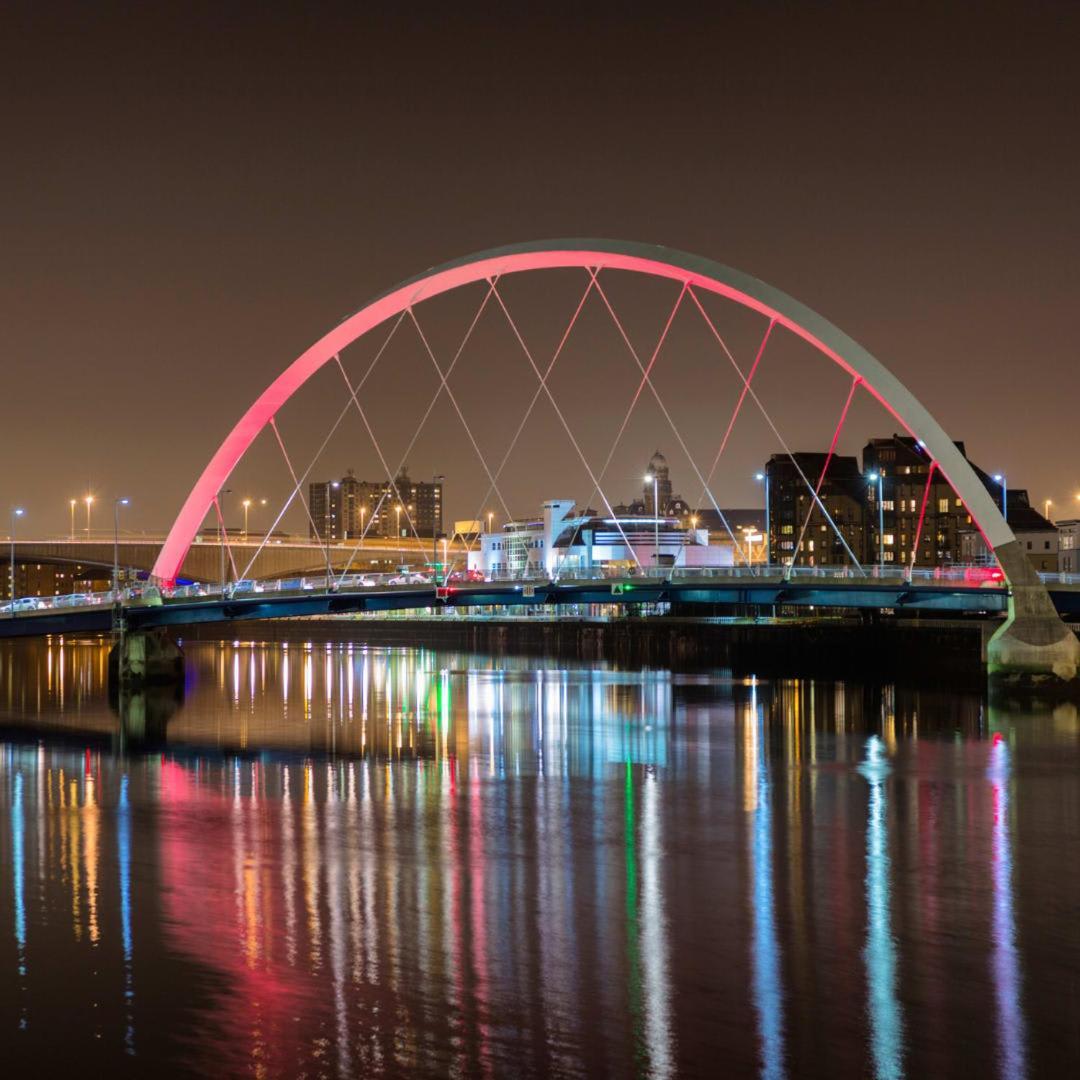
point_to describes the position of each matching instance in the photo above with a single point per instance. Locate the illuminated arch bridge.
(1033, 639)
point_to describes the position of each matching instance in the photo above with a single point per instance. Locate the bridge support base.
(1034, 646)
(145, 658)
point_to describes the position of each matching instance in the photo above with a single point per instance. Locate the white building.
(560, 542)
(1069, 546)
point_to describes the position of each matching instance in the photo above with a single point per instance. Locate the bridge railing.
(148, 593)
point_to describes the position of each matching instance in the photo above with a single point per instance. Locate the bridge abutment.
(143, 658)
(1033, 645)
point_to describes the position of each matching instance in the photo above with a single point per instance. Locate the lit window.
(943, 506)
(889, 538)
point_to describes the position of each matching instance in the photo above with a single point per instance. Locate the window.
(1029, 545)
(943, 506)
(888, 504)
(888, 538)
(787, 530)
(1046, 545)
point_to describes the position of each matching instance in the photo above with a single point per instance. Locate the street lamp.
(1047, 503)
(72, 503)
(16, 513)
(116, 548)
(363, 511)
(246, 504)
(397, 512)
(221, 534)
(491, 516)
(879, 478)
(764, 478)
(656, 514)
(1000, 478)
(89, 500)
(436, 522)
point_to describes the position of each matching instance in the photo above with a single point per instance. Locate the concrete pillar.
(145, 658)
(1033, 645)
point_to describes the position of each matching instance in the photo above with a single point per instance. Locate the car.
(243, 586)
(25, 603)
(74, 600)
(466, 575)
(366, 582)
(399, 579)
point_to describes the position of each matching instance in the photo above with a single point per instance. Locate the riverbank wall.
(935, 652)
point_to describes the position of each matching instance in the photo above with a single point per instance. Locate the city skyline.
(156, 369)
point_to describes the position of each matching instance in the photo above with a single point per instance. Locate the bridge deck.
(362, 593)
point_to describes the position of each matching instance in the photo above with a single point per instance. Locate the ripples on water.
(339, 861)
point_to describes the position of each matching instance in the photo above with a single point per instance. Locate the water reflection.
(886, 1019)
(358, 861)
(1006, 961)
(768, 995)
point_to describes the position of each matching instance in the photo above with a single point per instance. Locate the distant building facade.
(920, 520)
(799, 530)
(349, 508)
(562, 540)
(917, 507)
(1069, 546)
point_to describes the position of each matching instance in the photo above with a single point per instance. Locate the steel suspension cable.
(769, 420)
(423, 421)
(318, 453)
(297, 483)
(622, 427)
(457, 409)
(738, 405)
(225, 536)
(824, 469)
(536, 397)
(671, 424)
(922, 517)
(382, 457)
(566, 426)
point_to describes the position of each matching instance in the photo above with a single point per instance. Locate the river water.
(333, 860)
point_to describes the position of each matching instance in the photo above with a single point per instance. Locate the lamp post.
(1047, 503)
(246, 504)
(89, 500)
(879, 478)
(656, 514)
(116, 548)
(1001, 479)
(16, 513)
(363, 511)
(221, 535)
(764, 478)
(397, 527)
(71, 504)
(436, 482)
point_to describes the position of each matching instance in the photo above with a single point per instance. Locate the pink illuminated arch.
(591, 254)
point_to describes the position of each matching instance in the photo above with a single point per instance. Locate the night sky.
(188, 200)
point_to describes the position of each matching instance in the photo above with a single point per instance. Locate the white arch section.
(692, 270)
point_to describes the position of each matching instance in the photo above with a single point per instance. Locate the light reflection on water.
(350, 861)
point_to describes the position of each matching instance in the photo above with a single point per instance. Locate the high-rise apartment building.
(349, 508)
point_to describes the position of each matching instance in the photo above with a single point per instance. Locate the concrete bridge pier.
(144, 658)
(1033, 646)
